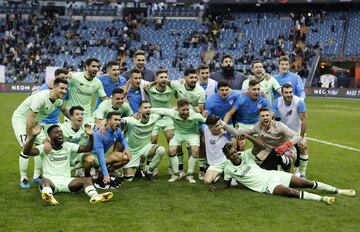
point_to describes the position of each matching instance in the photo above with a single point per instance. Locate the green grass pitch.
(179, 206)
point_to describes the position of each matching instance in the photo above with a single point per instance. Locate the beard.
(228, 70)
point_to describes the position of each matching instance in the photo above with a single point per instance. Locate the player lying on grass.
(244, 169)
(56, 166)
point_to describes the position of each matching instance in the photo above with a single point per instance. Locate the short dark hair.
(117, 91)
(90, 60)
(253, 82)
(285, 86)
(60, 71)
(255, 62)
(203, 66)
(112, 113)
(60, 80)
(139, 52)
(134, 70)
(73, 108)
(264, 109)
(143, 102)
(112, 63)
(161, 70)
(222, 84)
(227, 148)
(51, 128)
(189, 71)
(212, 120)
(182, 102)
(226, 56)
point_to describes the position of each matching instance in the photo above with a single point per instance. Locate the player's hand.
(212, 188)
(136, 115)
(88, 129)
(106, 179)
(222, 123)
(205, 113)
(302, 143)
(36, 130)
(262, 93)
(127, 153)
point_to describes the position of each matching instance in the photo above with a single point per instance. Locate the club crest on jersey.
(212, 141)
(259, 106)
(231, 101)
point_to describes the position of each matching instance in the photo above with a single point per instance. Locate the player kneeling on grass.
(56, 166)
(244, 169)
(104, 138)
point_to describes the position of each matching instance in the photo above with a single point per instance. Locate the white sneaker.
(191, 179)
(201, 175)
(347, 192)
(181, 174)
(173, 178)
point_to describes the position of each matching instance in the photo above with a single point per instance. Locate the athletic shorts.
(136, 155)
(243, 126)
(218, 167)
(165, 123)
(178, 139)
(19, 126)
(61, 183)
(276, 178)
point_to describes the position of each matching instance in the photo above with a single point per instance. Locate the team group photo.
(207, 115)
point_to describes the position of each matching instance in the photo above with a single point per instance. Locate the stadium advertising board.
(18, 88)
(343, 92)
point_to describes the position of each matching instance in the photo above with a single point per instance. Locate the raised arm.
(88, 147)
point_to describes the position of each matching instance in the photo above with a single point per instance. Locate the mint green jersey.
(248, 172)
(82, 90)
(195, 96)
(39, 103)
(105, 107)
(187, 126)
(77, 137)
(268, 86)
(57, 162)
(138, 134)
(161, 99)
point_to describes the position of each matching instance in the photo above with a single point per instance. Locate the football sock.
(191, 165)
(325, 187)
(91, 191)
(174, 161)
(202, 164)
(37, 167)
(181, 160)
(23, 165)
(309, 196)
(303, 164)
(159, 152)
(47, 189)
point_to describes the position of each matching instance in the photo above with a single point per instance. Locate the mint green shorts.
(137, 154)
(178, 139)
(165, 123)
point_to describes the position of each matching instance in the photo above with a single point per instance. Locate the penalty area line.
(333, 144)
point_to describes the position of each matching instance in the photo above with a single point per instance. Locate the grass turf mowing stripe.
(333, 144)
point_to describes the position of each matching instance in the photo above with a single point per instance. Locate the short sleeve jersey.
(57, 162)
(39, 103)
(182, 126)
(247, 173)
(195, 96)
(72, 136)
(213, 146)
(105, 108)
(247, 110)
(82, 91)
(268, 86)
(161, 99)
(138, 134)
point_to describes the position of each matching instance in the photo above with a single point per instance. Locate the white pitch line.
(333, 144)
